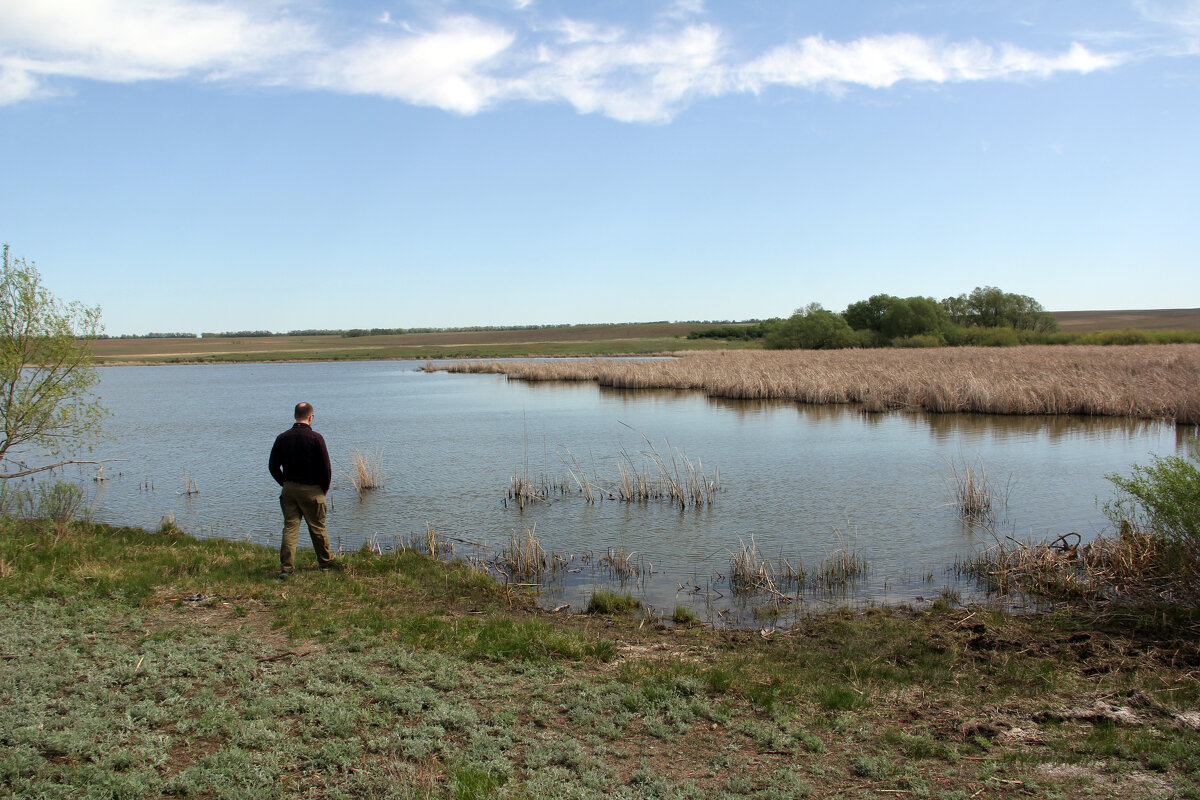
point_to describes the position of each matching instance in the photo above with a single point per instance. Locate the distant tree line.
(176, 335)
(238, 334)
(351, 333)
(985, 316)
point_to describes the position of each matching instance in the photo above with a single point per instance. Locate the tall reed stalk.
(750, 573)
(973, 496)
(676, 480)
(525, 558)
(366, 471)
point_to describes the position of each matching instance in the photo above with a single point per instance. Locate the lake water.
(800, 481)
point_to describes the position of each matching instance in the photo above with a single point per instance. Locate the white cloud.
(879, 62)
(1172, 12)
(442, 68)
(628, 79)
(16, 84)
(466, 64)
(574, 31)
(684, 9)
(128, 40)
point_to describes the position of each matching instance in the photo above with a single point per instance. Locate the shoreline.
(164, 664)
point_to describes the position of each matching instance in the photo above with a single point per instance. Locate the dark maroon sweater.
(299, 455)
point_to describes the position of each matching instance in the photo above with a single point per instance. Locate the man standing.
(300, 464)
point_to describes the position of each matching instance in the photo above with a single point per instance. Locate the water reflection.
(747, 408)
(1052, 428)
(1186, 436)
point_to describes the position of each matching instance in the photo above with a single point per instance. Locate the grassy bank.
(141, 665)
(1148, 381)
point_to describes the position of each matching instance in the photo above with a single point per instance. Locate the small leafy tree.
(867, 315)
(812, 328)
(912, 316)
(892, 317)
(989, 307)
(46, 372)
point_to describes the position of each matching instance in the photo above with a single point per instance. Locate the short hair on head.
(303, 410)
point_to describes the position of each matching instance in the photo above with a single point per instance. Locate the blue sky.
(280, 164)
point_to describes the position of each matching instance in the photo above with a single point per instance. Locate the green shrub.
(919, 340)
(12, 501)
(60, 502)
(1163, 497)
(993, 337)
(1127, 336)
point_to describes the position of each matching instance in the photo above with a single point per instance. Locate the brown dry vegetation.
(1133, 568)
(1145, 381)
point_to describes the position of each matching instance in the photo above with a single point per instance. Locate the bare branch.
(35, 470)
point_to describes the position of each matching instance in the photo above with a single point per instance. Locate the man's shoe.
(283, 575)
(328, 567)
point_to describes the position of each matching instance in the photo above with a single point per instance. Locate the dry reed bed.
(1132, 567)
(1144, 381)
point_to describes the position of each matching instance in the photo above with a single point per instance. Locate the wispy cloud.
(879, 62)
(467, 63)
(1182, 16)
(632, 79)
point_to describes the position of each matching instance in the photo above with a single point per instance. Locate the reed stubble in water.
(1144, 381)
(674, 479)
(973, 495)
(366, 471)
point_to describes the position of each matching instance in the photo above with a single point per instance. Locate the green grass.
(605, 601)
(136, 664)
(683, 615)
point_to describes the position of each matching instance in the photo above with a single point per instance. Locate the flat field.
(143, 665)
(621, 339)
(575, 340)
(1180, 319)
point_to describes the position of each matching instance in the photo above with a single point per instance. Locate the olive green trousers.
(300, 500)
